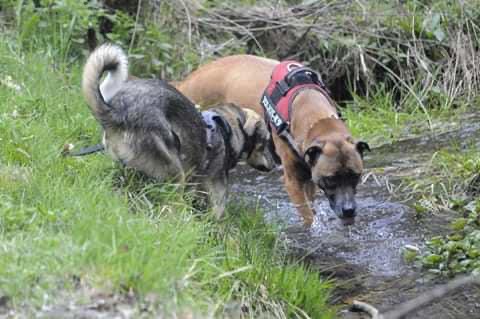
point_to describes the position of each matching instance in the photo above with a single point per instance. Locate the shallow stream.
(366, 257)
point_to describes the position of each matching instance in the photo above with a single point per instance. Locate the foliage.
(459, 251)
(421, 52)
(448, 178)
(66, 222)
(58, 26)
(61, 28)
(377, 118)
(416, 49)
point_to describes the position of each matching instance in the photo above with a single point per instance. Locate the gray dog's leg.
(217, 191)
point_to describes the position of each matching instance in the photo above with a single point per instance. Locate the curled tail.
(106, 58)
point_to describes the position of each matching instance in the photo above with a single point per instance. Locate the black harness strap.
(87, 150)
(226, 132)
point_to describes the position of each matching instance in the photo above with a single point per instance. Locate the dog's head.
(336, 164)
(256, 144)
(248, 136)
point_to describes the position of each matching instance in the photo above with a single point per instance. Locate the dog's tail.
(106, 58)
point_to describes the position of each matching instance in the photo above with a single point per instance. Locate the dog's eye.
(329, 182)
(354, 178)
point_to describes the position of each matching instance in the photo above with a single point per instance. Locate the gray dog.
(150, 126)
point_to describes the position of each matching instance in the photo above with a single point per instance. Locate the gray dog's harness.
(216, 123)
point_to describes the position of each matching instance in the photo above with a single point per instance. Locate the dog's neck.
(231, 155)
(308, 108)
(242, 143)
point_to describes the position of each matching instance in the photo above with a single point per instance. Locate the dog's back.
(148, 124)
(238, 79)
(165, 123)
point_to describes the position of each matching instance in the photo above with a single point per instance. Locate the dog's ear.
(312, 153)
(362, 147)
(223, 124)
(252, 122)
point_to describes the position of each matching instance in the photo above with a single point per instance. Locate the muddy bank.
(366, 258)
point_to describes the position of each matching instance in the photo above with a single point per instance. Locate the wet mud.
(366, 258)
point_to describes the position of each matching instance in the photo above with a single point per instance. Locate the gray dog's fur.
(150, 126)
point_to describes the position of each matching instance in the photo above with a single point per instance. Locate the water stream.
(366, 257)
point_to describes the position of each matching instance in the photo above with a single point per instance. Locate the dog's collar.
(86, 150)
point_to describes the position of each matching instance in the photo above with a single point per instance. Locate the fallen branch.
(367, 308)
(412, 305)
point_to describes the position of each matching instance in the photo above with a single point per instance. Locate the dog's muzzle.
(343, 205)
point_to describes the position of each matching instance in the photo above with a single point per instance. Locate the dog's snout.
(260, 161)
(348, 212)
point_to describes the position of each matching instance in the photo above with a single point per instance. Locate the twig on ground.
(367, 308)
(421, 301)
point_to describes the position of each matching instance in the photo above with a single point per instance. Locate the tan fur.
(252, 120)
(242, 79)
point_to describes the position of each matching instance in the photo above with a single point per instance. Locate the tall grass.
(67, 220)
(426, 50)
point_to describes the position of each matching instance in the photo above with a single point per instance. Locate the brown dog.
(333, 159)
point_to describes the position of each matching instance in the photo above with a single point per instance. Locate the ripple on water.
(374, 242)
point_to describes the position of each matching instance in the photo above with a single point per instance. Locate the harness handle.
(299, 75)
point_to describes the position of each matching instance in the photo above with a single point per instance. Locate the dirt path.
(366, 258)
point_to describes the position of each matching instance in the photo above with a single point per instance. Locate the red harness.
(288, 79)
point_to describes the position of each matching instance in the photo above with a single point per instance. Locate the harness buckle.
(283, 87)
(282, 129)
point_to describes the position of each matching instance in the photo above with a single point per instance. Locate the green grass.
(66, 218)
(380, 119)
(376, 120)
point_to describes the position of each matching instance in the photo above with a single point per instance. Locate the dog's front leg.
(310, 191)
(296, 190)
(296, 180)
(217, 191)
